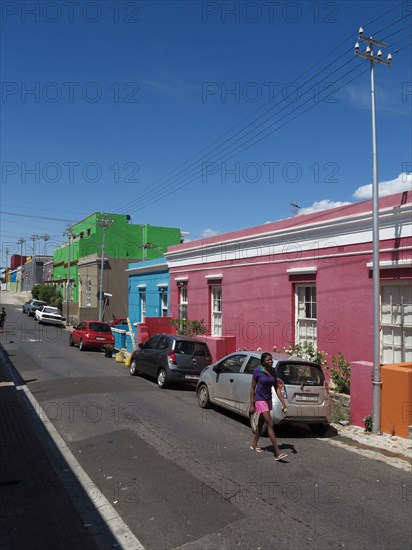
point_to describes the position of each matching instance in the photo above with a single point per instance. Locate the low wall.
(361, 374)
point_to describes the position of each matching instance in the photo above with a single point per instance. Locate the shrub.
(340, 373)
(184, 327)
(368, 423)
(49, 294)
(307, 350)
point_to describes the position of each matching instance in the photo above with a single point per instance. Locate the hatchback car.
(93, 335)
(48, 315)
(170, 358)
(227, 383)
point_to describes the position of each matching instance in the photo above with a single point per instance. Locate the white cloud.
(402, 183)
(324, 204)
(209, 233)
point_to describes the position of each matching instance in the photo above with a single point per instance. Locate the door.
(241, 395)
(226, 378)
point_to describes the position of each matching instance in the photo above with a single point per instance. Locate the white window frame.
(88, 297)
(183, 302)
(164, 302)
(306, 313)
(143, 303)
(216, 310)
(396, 330)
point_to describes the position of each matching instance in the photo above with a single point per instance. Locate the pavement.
(45, 497)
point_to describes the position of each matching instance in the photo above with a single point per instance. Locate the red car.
(93, 335)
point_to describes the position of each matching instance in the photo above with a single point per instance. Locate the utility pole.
(376, 383)
(21, 241)
(69, 234)
(103, 223)
(34, 238)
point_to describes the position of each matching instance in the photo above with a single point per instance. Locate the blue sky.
(209, 116)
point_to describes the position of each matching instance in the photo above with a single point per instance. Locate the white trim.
(148, 268)
(217, 276)
(301, 270)
(181, 279)
(389, 264)
(395, 222)
(162, 285)
(309, 258)
(141, 287)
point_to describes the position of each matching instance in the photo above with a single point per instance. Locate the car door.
(77, 332)
(226, 374)
(148, 356)
(241, 393)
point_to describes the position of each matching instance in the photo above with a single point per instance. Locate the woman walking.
(264, 378)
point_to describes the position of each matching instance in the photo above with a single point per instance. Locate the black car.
(170, 358)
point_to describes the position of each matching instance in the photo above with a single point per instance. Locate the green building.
(112, 241)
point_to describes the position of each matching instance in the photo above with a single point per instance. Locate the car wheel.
(133, 368)
(253, 419)
(81, 346)
(162, 380)
(203, 397)
(71, 343)
(319, 429)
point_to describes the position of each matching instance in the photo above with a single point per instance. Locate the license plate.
(99, 338)
(191, 377)
(311, 398)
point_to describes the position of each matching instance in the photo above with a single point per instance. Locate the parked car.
(170, 358)
(49, 315)
(93, 335)
(227, 383)
(31, 306)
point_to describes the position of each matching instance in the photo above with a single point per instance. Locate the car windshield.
(99, 327)
(296, 374)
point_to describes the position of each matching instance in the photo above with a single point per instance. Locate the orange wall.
(396, 405)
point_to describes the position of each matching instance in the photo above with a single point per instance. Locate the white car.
(48, 314)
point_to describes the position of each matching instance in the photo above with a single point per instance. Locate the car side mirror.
(140, 345)
(216, 368)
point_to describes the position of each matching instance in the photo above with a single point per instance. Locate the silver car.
(227, 383)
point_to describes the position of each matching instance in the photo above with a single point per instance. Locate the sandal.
(257, 449)
(281, 456)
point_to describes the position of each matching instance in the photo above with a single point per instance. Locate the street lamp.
(376, 383)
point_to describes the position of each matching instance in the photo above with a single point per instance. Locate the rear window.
(295, 374)
(99, 327)
(191, 348)
(51, 310)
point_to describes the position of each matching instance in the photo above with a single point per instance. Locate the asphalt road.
(182, 477)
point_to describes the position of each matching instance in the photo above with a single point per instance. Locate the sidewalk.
(35, 509)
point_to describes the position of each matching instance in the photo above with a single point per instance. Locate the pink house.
(307, 278)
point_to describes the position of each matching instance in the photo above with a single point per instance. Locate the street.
(183, 477)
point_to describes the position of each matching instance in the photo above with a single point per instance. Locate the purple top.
(264, 383)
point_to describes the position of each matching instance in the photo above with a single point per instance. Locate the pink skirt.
(263, 406)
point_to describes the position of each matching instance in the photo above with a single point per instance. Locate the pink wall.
(361, 375)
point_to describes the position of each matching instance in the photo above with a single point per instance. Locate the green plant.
(340, 373)
(368, 423)
(184, 327)
(307, 350)
(49, 294)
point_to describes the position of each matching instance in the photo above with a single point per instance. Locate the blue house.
(148, 289)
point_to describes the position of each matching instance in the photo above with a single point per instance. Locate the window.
(253, 364)
(396, 323)
(306, 314)
(142, 296)
(216, 310)
(163, 302)
(88, 292)
(163, 343)
(232, 364)
(183, 302)
(151, 343)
